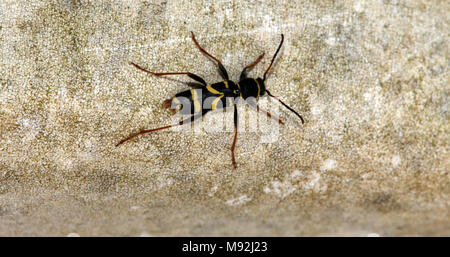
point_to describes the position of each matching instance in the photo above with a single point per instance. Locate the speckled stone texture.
(370, 78)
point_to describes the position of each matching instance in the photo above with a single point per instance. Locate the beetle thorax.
(252, 87)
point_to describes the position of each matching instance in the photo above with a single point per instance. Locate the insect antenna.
(285, 105)
(273, 59)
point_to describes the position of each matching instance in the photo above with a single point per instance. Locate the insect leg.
(185, 121)
(258, 109)
(223, 71)
(269, 114)
(235, 136)
(191, 75)
(195, 85)
(249, 67)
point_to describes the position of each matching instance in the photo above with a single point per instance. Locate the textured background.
(370, 78)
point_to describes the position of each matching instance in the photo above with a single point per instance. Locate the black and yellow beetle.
(203, 97)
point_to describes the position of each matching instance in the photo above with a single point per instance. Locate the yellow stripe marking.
(214, 103)
(259, 89)
(226, 84)
(214, 91)
(195, 100)
(239, 86)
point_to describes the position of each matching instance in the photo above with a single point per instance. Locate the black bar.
(225, 246)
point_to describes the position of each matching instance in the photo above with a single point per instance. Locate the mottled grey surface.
(370, 78)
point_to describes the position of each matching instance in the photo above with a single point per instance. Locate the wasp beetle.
(203, 97)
